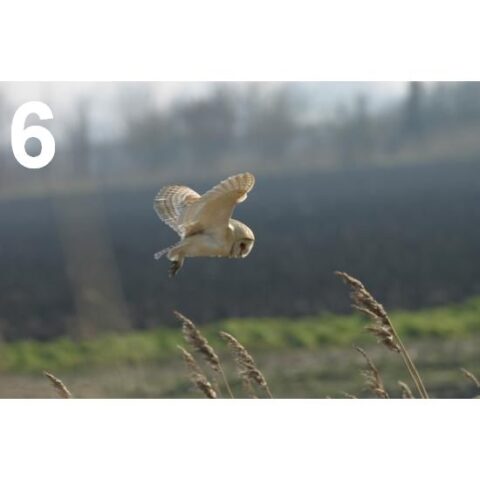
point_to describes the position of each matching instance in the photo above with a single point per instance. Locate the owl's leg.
(176, 257)
(175, 266)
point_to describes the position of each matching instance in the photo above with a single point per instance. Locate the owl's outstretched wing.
(215, 207)
(170, 204)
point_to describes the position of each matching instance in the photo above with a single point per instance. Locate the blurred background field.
(307, 356)
(378, 179)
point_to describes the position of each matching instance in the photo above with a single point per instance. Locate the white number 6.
(20, 135)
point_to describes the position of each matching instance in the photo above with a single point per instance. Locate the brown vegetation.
(381, 327)
(58, 385)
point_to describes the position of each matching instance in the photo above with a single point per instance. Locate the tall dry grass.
(197, 341)
(381, 327)
(252, 378)
(197, 377)
(250, 374)
(373, 379)
(405, 389)
(60, 388)
(470, 376)
(248, 370)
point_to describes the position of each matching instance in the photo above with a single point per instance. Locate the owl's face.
(242, 247)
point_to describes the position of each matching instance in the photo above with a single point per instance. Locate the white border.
(238, 440)
(248, 40)
(219, 40)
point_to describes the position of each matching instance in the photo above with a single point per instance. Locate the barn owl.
(204, 222)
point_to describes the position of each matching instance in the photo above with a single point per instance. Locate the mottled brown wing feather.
(216, 206)
(170, 203)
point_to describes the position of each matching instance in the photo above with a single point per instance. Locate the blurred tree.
(209, 126)
(91, 268)
(467, 96)
(413, 113)
(154, 140)
(355, 137)
(86, 244)
(440, 107)
(272, 124)
(3, 127)
(79, 137)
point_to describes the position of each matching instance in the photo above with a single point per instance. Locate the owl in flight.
(204, 222)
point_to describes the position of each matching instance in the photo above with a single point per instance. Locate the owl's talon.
(174, 268)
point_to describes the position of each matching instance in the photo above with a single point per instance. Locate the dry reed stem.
(58, 385)
(373, 379)
(406, 392)
(248, 370)
(248, 387)
(349, 395)
(197, 377)
(196, 340)
(382, 326)
(471, 377)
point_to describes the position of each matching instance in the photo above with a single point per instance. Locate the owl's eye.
(242, 246)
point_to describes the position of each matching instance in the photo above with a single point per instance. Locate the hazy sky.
(107, 100)
(166, 92)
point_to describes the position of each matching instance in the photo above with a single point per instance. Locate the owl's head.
(242, 247)
(243, 239)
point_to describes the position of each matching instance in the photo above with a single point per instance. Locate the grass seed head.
(372, 376)
(470, 376)
(364, 302)
(381, 326)
(406, 392)
(246, 365)
(197, 341)
(196, 375)
(58, 385)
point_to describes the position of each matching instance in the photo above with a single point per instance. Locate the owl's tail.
(161, 253)
(166, 251)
